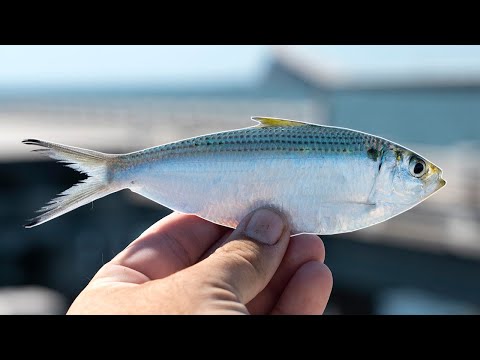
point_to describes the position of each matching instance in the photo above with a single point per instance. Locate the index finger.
(173, 243)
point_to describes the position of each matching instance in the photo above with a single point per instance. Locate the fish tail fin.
(96, 165)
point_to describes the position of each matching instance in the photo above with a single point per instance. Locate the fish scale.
(284, 138)
(324, 179)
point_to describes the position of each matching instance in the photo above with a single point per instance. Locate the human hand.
(186, 265)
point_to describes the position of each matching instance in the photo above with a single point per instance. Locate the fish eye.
(417, 167)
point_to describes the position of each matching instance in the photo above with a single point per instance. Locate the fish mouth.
(441, 183)
(438, 172)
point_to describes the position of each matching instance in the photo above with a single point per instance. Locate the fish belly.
(319, 193)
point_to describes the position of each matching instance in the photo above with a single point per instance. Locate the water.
(433, 117)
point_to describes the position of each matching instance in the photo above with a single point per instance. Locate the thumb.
(246, 262)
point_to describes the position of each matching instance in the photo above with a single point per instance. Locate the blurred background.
(125, 98)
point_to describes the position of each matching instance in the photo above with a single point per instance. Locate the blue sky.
(33, 66)
(167, 64)
(394, 61)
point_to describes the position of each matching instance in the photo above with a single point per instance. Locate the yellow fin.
(266, 121)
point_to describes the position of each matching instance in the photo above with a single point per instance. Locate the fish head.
(406, 178)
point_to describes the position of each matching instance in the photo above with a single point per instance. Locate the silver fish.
(326, 180)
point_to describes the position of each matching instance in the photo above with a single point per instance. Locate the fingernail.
(265, 226)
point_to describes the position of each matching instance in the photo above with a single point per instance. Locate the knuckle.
(246, 254)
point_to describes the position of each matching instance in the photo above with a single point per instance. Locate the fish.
(326, 180)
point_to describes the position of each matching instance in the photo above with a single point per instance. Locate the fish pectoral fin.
(268, 122)
(368, 203)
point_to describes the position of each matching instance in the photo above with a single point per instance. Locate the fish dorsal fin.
(268, 121)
